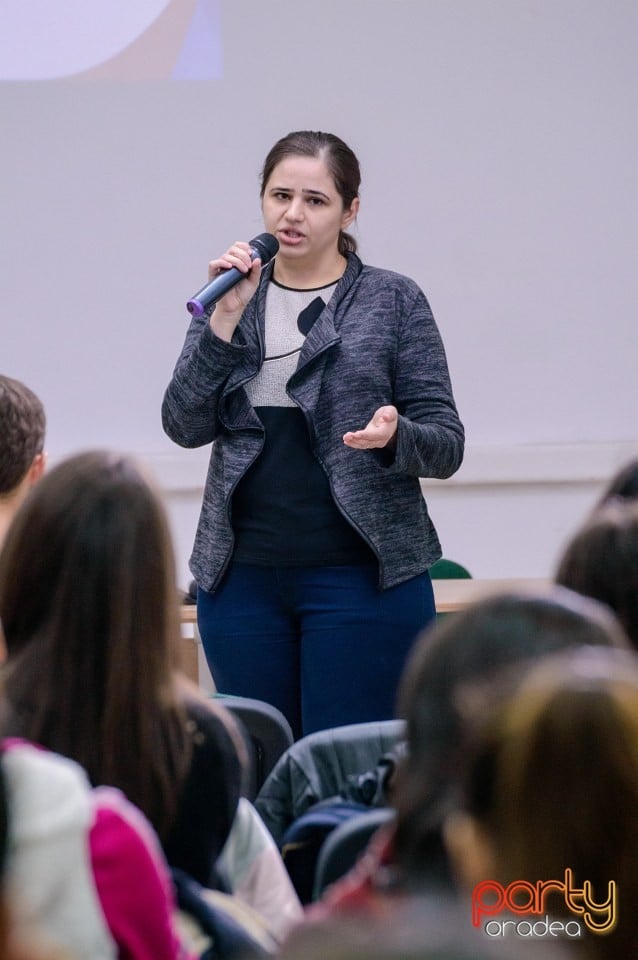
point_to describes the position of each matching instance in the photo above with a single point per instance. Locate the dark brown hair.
(553, 779)
(623, 484)
(339, 159)
(455, 664)
(89, 612)
(601, 561)
(22, 427)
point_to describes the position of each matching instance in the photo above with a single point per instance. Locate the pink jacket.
(84, 867)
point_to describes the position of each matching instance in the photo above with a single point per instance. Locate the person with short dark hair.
(22, 456)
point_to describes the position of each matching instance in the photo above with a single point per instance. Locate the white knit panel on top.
(284, 341)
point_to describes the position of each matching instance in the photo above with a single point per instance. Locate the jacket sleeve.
(257, 872)
(430, 436)
(132, 881)
(190, 414)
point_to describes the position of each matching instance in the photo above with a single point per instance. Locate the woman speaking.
(323, 385)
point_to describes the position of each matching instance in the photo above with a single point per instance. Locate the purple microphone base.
(195, 307)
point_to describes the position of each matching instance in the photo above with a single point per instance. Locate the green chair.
(445, 569)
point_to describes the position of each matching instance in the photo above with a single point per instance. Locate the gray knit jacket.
(375, 343)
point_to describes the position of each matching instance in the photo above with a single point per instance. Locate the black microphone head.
(266, 246)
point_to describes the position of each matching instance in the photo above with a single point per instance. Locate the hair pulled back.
(339, 159)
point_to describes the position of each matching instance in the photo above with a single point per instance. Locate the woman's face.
(302, 208)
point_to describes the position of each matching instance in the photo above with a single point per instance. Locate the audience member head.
(22, 457)
(552, 785)
(459, 657)
(601, 561)
(89, 613)
(623, 485)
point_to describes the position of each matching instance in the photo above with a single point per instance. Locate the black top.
(283, 511)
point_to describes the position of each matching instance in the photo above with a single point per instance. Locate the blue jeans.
(323, 644)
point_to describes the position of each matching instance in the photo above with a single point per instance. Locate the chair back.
(267, 735)
(344, 845)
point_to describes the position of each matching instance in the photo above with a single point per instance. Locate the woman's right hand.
(229, 308)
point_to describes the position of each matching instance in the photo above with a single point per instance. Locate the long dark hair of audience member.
(601, 561)
(462, 657)
(623, 484)
(88, 605)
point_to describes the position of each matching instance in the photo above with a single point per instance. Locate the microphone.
(265, 246)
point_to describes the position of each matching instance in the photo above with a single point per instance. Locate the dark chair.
(267, 735)
(344, 845)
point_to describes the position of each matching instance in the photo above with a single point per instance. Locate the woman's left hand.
(380, 432)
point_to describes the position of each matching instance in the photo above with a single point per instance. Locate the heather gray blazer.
(375, 343)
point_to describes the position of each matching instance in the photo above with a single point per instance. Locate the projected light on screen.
(106, 40)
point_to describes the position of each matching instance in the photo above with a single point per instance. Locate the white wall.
(498, 143)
